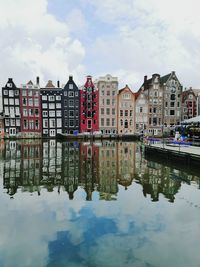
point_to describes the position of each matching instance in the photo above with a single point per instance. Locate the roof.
(30, 83)
(163, 79)
(126, 87)
(49, 84)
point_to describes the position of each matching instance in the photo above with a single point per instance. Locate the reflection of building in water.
(12, 166)
(70, 167)
(157, 180)
(108, 187)
(89, 161)
(126, 163)
(31, 152)
(51, 164)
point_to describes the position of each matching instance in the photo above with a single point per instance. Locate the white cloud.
(151, 37)
(33, 42)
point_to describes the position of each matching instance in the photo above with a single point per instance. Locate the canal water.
(95, 205)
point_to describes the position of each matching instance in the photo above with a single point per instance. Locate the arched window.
(172, 96)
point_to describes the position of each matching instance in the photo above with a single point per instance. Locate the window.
(65, 103)
(107, 122)
(126, 124)
(51, 98)
(89, 124)
(107, 111)
(172, 112)
(7, 122)
(44, 97)
(102, 93)
(16, 92)
(16, 101)
(44, 105)
(5, 92)
(126, 113)
(58, 113)
(30, 101)
(71, 123)
(113, 111)
(31, 113)
(11, 93)
(58, 105)
(37, 124)
(31, 124)
(108, 101)
(76, 93)
(6, 101)
(102, 121)
(71, 94)
(108, 93)
(24, 101)
(178, 104)
(12, 122)
(121, 122)
(172, 97)
(58, 97)
(102, 111)
(141, 109)
(44, 113)
(71, 113)
(70, 86)
(113, 102)
(52, 123)
(154, 110)
(171, 104)
(36, 112)
(25, 124)
(121, 113)
(65, 93)
(89, 114)
(149, 121)
(36, 102)
(17, 111)
(76, 103)
(30, 92)
(113, 122)
(51, 106)
(11, 101)
(154, 121)
(71, 103)
(52, 113)
(113, 93)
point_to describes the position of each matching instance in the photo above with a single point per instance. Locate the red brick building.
(30, 109)
(89, 107)
(189, 103)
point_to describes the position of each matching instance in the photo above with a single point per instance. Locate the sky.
(53, 39)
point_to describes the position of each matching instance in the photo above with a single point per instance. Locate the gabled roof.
(163, 79)
(125, 88)
(49, 84)
(30, 83)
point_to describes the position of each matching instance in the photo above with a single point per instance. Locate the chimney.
(145, 78)
(58, 84)
(10, 80)
(37, 80)
(71, 78)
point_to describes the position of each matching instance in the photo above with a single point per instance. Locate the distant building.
(51, 99)
(190, 103)
(70, 105)
(126, 111)
(141, 112)
(30, 107)
(89, 107)
(10, 97)
(108, 89)
(164, 102)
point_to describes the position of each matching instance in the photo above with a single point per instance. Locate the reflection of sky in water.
(50, 230)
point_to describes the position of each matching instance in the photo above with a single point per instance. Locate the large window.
(71, 103)
(89, 124)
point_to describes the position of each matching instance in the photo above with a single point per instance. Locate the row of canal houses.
(34, 111)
